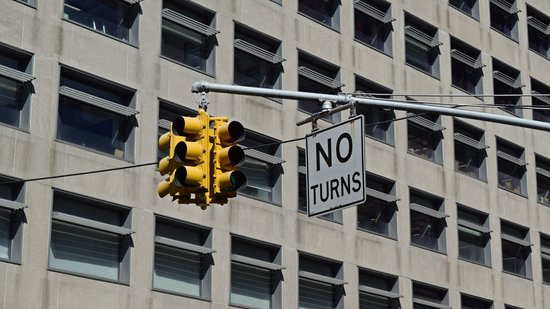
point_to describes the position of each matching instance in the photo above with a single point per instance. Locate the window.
(541, 103)
(183, 258)
(466, 67)
(320, 283)
(257, 59)
(504, 17)
(473, 236)
(12, 217)
(378, 291)
(507, 80)
(379, 122)
(545, 255)
(427, 221)
(538, 31)
(326, 12)
(425, 137)
(29, 2)
(315, 75)
(511, 168)
(543, 180)
(470, 151)
(429, 297)
(516, 249)
(15, 87)
(96, 114)
(256, 274)
(472, 302)
(335, 216)
(262, 167)
(167, 113)
(468, 7)
(189, 35)
(421, 46)
(115, 18)
(379, 213)
(373, 24)
(90, 238)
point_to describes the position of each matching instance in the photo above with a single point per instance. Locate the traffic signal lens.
(232, 132)
(231, 156)
(187, 151)
(231, 181)
(188, 176)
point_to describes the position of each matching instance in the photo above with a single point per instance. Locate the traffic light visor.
(230, 157)
(186, 126)
(231, 132)
(231, 181)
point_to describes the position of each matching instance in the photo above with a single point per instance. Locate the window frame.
(15, 205)
(419, 125)
(369, 282)
(312, 70)
(423, 38)
(504, 82)
(271, 157)
(422, 204)
(543, 178)
(123, 230)
(523, 247)
(333, 21)
(504, 9)
(459, 3)
(201, 246)
(94, 94)
(387, 197)
(133, 8)
(538, 26)
(319, 270)
(244, 47)
(475, 301)
(463, 58)
(464, 135)
(466, 222)
(537, 99)
(264, 257)
(514, 161)
(428, 295)
(545, 257)
(185, 18)
(374, 15)
(19, 70)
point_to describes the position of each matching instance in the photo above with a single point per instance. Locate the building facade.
(457, 212)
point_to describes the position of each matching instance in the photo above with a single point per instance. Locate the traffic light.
(188, 161)
(227, 156)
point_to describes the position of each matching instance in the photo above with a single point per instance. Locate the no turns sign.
(335, 167)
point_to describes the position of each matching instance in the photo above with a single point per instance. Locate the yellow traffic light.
(227, 156)
(188, 160)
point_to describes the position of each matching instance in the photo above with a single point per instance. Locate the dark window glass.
(325, 12)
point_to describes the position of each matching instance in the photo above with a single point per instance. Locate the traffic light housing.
(188, 161)
(226, 180)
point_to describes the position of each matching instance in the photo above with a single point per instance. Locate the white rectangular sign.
(335, 167)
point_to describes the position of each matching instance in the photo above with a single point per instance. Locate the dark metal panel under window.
(326, 12)
(90, 238)
(183, 258)
(504, 17)
(373, 24)
(257, 59)
(96, 114)
(15, 87)
(255, 274)
(473, 236)
(115, 18)
(189, 35)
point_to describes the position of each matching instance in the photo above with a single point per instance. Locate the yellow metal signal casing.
(227, 156)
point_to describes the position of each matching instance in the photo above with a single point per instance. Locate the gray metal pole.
(204, 86)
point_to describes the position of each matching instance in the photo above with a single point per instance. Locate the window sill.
(65, 272)
(424, 72)
(428, 249)
(321, 217)
(515, 40)
(15, 128)
(516, 275)
(323, 119)
(461, 11)
(507, 111)
(186, 66)
(99, 32)
(470, 95)
(374, 48)
(259, 199)
(473, 177)
(3, 260)
(274, 99)
(93, 151)
(380, 140)
(33, 5)
(376, 234)
(180, 294)
(474, 262)
(513, 192)
(319, 22)
(546, 57)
